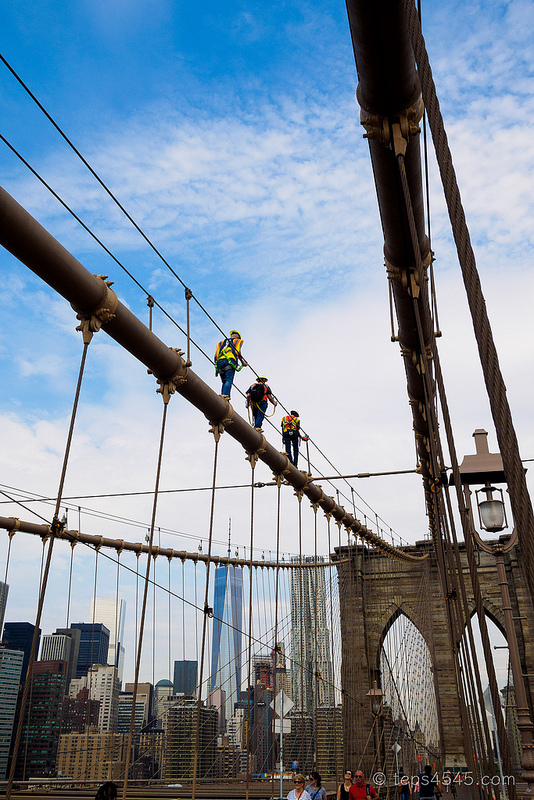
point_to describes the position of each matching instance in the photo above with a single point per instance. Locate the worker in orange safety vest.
(291, 435)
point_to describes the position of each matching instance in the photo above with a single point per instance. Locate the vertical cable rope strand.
(54, 528)
(144, 604)
(247, 746)
(204, 624)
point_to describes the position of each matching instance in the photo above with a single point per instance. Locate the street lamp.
(491, 511)
(486, 468)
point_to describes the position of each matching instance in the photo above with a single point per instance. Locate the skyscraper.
(18, 636)
(10, 670)
(311, 672)
(185, 677)
(57, 647)
(75, 635)
(112, 614)
(42, 721)
(94, 645)
(226, 647)
(103, 683)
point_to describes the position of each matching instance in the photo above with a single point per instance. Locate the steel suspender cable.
(56, 524)
(145, 595)
(206, 616)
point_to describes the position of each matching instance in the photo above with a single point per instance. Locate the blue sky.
(231, 134)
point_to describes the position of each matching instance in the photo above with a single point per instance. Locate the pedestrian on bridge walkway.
(360, 790)
(428, 784)
(314, 789)
(299, 792)
(343, 789)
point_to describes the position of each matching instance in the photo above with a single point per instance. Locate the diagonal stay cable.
(99, 241)
(105, 187)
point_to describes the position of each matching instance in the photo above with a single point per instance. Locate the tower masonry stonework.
(374, 591)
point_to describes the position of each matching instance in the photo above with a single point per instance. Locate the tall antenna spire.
(229, 534)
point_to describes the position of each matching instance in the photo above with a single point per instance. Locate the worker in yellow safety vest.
(291, 435)
(227, 357)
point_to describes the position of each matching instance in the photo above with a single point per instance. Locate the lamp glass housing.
(492, 515)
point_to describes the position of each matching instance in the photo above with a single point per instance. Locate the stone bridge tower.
(374, 591)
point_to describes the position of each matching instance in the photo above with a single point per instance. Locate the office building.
(58, 647)
(19, 636)
(182, 737)
(125, 713)
(4, 590)
(162, 691)
(92, 756)
(263, 670)
(103, 685)
(10, 672)
(145, 694)
(329, 741)
(42, 721)
(143, 707)
(217, 699)
(94, 646)
(236, 728)
(151, 753)
(261, 733)
(185, 678)
(79, 713)
(281, 677)
(311, 672)
(112, 613)
(299, 742)
(74, 635)
(226, 641)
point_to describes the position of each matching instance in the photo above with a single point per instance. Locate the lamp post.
(376, 697)
(486, 468)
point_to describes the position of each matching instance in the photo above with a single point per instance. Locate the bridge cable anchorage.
(55, 530)
(218, 427)
(253, 455)
(152, 554)
(168, 386)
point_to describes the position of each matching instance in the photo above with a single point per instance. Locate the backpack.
(258, 392)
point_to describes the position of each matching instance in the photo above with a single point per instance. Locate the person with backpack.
(227, 356)
(428, 784)
(361, 790)
(291, 435)
(258, 396)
